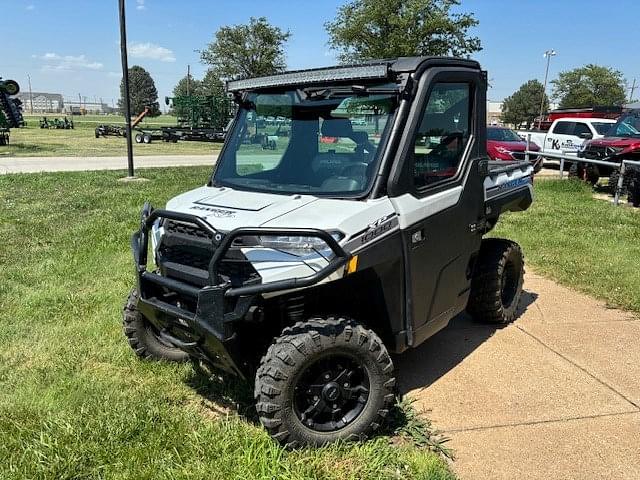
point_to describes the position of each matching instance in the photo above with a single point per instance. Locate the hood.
(226, 209)
(615, 142)
(512, 146)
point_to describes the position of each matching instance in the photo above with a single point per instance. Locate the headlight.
(300, 246)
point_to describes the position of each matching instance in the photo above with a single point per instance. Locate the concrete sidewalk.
(554, 395)
(72, 164)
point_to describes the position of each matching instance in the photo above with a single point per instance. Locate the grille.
(599, 152)
(188, 245)
(188, 229)
(183, 255)
(523, 156)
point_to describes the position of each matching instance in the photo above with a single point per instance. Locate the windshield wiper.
(313, 93)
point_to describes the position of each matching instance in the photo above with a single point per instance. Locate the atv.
(303, 267)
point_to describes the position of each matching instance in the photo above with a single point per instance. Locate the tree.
(242, 51)
(366, 29)
(142, 91)
(212, 85)
(524, 105)
(589, 86)
(187, 85)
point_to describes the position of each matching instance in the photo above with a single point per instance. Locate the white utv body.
(343, 222)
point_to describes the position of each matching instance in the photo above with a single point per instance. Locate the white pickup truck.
(566, 135)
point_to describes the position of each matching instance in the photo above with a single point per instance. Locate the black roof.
(372, 69)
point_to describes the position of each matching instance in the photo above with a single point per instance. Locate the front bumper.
(199, 320)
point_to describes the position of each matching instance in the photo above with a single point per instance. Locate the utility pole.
(188, 79)
(125, 78)
(30, 94)
(633, 89)
(548, 54)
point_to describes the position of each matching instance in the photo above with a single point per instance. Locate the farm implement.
(10, 109)
(57, 123)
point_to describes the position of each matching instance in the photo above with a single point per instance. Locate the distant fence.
(622, 165)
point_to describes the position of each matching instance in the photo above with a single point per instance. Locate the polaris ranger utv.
(357, 234)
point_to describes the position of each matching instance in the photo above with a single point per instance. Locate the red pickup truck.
(621, 142)
(505, 144)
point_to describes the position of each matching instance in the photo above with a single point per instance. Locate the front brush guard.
(209, 325)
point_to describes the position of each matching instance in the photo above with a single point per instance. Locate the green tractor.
(10, 109)
(195, 111)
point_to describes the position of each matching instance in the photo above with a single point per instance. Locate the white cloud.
(151, 51)
(54, 61)
(140, 5)
(31, 7)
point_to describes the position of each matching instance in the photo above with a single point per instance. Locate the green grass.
(74, 400)
(32, 141)
(581, 242)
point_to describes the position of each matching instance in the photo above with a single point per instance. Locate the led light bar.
(363, 72)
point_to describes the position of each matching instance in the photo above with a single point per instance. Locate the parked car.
(622, 142)
(566, 135)
(505, 144)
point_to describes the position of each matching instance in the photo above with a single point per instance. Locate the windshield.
(627, 126)
(602, 128)
(322, 142)
(502, 135)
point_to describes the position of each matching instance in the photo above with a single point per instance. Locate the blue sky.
(71, 46)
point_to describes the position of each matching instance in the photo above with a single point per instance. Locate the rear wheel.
(324, 380)
(144, 338)
(138, 138)
(614, 177)
(146, 138)
(496, 286)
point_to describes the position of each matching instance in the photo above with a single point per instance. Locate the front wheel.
(324, 380)
(586, 172)
(537, 166)
(634, 189)
(144, 338)
(496, 286)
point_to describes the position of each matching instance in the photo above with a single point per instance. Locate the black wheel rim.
(331, 393)
(509, 284)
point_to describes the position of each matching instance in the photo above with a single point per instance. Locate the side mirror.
(586, 135)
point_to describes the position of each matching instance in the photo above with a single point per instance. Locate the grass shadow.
(225, 391)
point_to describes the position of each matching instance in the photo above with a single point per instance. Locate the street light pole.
(548, 54)
(31, 94)
(125, 78)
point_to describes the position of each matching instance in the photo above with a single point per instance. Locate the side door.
(560, 137)
(436, 187)
(582, 132)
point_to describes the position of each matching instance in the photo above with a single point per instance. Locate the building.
(494, 113)
(77, 107)
(42, 102)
